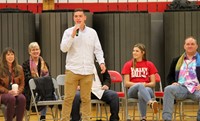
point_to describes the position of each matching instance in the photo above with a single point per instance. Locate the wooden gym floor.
(187, 107)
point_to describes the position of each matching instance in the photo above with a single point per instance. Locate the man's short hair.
(79, 9)
(192, 38)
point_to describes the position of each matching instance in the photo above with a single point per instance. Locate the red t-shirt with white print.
(141, 72)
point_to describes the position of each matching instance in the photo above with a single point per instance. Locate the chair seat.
(159, 94)
(97, 101)
(121, 94)
(186, 100)
(98, 109)
(53, 102)
(133, 100)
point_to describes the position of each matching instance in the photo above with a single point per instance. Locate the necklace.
(187, 66)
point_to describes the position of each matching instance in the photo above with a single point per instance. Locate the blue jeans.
(109, 96)
(143, 94)
(177, 92)
(43, 111)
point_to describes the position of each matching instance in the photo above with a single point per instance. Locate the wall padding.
(118, 32)
(17, 30)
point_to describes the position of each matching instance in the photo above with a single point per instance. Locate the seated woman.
(34, 67)
(139, 77)
(12, 86)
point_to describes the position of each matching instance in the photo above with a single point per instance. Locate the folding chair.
(55, 103)
(116, 78)
(61, 81)
(134, 101)
(159, 94)
(99, 105)
(182, 111)
(3, 109)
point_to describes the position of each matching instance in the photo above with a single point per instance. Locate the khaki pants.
(71, 82)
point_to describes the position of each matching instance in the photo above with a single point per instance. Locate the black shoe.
(42, 118)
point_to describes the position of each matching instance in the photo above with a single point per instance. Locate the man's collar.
(194, 56)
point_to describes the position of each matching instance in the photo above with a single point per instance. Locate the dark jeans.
(15, 106)
(109, 96)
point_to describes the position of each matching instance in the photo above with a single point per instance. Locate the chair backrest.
(61, 82)
(56, 87)
(158, 80)
(115, 76)
(61, 79)
(32, 86)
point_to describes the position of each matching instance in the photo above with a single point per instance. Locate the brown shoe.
(154, 106)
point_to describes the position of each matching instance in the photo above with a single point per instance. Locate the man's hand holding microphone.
(76, 30)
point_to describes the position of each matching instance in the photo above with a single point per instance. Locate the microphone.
(77, 31)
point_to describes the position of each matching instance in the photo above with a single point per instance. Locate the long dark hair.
(4, 71)
(143, 49)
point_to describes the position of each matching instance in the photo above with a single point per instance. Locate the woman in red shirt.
(139, 77)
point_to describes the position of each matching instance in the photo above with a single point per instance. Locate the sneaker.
(154, 106)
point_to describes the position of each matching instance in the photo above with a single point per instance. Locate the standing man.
(82, 46)
(183, 77)
(100, 90)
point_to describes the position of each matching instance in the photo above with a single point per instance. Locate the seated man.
(100, 90)
(183, 77)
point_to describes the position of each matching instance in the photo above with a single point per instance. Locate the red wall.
(94, 7)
